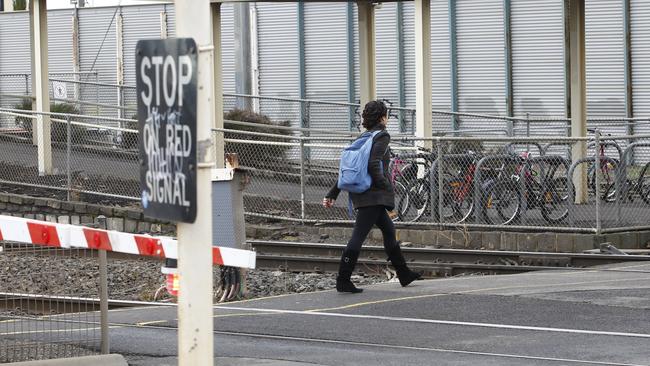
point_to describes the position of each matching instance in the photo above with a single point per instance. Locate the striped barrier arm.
(71, 236)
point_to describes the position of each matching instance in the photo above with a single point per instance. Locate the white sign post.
(195, 320)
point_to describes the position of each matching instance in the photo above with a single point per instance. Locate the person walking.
(372, 205)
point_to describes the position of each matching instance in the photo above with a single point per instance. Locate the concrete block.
(16, 200)
(134, 214)
(4, 198)
(120, 212)
(375, 234)
(41, 202)
(81, 208)
(444, 239)
(106, 211)
(115, 223)
(508, 241)
(643, 239)
(629, 240)
(67, 206)
(156, 228)
(547, 242)
(64, 219)
(28, 200)
(55, 204)
(75, 220)
(458, 240)
(616, 239)
(491, 240)
(564, 243)
(428, 237)
(29, 216)
(527, 242)
(145, 227)
(85, 220)
(93, 209)
(473, 239)
(130, 226)
(50, 218)
(582, 242)
(3, 206)
(39, 217)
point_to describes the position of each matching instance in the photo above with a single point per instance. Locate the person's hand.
(328, 202)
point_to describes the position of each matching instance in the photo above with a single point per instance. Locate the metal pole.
(302, 180)
(103, 294)
(68, 155)
(597, 182)
(440, 195)
(195, 311)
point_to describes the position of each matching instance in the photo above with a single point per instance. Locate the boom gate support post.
(195, 321)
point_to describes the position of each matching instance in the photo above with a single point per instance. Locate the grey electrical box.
(228, 227)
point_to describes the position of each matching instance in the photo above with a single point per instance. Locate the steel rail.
(325, 257)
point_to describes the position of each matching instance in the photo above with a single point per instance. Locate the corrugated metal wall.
(605, 59)
(640, 28)
(537, 40)
(326, 63)
(279, 71)
(59, 26)
(98, 52)
(538, 58)
(228, 48)
(14, 58)
(481, 70)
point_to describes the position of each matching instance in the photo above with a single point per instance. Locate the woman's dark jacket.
(381, 191)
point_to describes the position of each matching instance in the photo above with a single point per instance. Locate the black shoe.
(345, 285)
(346, 267)
(405, 275)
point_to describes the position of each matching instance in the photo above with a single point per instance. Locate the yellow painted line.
(152, 322)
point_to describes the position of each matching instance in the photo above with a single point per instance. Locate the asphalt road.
(599, 316)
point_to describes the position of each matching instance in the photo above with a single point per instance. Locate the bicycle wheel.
(555, 200)
(502, 202)
(606, 177)
(457, 201)
(643, 184)
(401, 198)
(415, 203)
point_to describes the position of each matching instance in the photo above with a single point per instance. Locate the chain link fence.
(44, 313)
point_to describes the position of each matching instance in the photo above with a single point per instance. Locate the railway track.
(317, 257)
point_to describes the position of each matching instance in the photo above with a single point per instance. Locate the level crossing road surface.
(596, 316)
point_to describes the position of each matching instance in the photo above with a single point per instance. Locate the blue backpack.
(353, 169)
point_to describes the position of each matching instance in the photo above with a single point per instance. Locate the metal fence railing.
(463, 180)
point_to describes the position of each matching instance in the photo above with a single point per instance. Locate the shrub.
(257, 156)
(59, 131)
(20, 4)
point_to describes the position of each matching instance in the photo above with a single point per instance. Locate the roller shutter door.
(538, 58)
(326, 63)
(605, 61)
(98, 53)
(279, 74)
(139, 22)
(481, 62)
(14, 59)
(640, 24)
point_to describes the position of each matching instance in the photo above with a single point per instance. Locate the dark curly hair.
(372, 113)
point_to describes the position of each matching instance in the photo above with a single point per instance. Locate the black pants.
(366, 218)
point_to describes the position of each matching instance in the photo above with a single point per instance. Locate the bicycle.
(607, 169)
(403, 171)
(639, 186)
(457, 191)
(541, 189)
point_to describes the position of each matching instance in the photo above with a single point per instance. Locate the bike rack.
(621, 175)
(546, 159)
(478, 181)
(595, 160)
(539, 147)
(434, 181)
